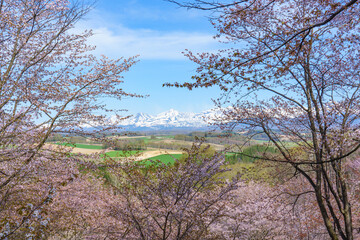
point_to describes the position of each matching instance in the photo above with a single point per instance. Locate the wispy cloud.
(150, 44)
(117, 40)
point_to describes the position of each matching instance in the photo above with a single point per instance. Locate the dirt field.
(154, 153)
(87, 151)
(77, 150)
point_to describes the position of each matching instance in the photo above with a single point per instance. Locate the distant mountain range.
(171, 119)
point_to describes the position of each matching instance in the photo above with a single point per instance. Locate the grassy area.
(168, 136)
(250, 153)
(248, 172)
(237, 168)
(115, 154)
(284, 143)
(230, 154)
(165, 158)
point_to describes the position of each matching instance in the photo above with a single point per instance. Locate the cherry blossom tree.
(49, 83)
(181, 201)
(293, 76)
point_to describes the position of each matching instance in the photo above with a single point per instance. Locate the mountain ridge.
(170, 119)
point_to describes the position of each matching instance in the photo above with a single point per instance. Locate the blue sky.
(158, 31)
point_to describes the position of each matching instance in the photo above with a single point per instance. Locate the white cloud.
(148, 43)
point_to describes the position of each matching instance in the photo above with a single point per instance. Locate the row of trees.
(215, 138)
(295, 74)
(125, 144)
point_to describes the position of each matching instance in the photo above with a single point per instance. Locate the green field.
(115, 154)
(167, 136)
(78, 145)
(165, 158)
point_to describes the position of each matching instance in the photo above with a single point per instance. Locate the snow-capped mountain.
(170, 119)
